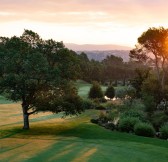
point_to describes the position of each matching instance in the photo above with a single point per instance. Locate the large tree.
(37, 72)
(153, 46)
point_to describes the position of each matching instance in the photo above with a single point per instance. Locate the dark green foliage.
(114, 69)
(126, 106)
(100, 107)
(31, 69)
(144, 129)
(111, 69)
(102, 100)
(152, 88)
(164, 131)
(95, 91)
(110, 126)
(150, 104)
(127, 124)
(158, 119)
(90, 69)
(120, 93)
(88, 104)
(154, 42)
(103, 117)
(110, 92)
(134, 113)
(138, 55)
(64, 99)
(137, 82)
(95, 121)
(112, 114)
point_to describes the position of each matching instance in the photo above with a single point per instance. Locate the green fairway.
(52, 138)
(3, 100)
(83, 88)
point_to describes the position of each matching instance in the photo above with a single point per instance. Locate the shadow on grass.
(65, 151)
(37, 119)
(89, 142)
(10, 132)
(84, 131)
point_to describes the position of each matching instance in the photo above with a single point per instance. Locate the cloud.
(100, 17)
(115, 10)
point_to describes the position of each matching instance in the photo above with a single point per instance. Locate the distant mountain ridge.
(95, 47)
(101, 55)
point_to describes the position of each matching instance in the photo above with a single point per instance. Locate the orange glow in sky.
(83, 21)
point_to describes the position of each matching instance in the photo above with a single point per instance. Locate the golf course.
(71, 139)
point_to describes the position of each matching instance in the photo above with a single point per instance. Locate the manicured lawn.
(3, 100)
(83, 88)
(71, 139)
(52, 138)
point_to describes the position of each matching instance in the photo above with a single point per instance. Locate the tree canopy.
(95, 91)
(110, 92)
(33, 70)
(153, 48)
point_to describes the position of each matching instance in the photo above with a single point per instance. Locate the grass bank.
(52, 138)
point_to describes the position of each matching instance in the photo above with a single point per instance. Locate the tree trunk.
(164, 70)
(25, 117)
(163, 83)
(157, 69)
(124, 80)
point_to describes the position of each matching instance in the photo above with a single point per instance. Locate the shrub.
(164, 131)
(110, 92)
(99, 100)
(103, 116)
(144, 129)
(121, 93)
(112, 114)
(100, 107)
(135, 106)
(158, 119)
(110, 126)
(134, 113)
(103, 100)
(127, 124)
(149, 102)
(138, 105)
(95, 121)
(87, 104)
(95, 91)
(131, 92)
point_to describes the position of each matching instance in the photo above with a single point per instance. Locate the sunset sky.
(83, 21)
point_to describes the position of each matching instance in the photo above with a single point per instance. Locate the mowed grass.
(71, 139)
(3, 100)
(84, 87)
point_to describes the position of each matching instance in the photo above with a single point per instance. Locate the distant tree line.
(110, 70)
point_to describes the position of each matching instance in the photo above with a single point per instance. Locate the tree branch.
(32, 112)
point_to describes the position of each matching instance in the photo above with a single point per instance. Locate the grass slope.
(84, 87)
(72, 139)
(52, 138)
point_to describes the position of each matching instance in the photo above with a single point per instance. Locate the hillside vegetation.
(52, 138)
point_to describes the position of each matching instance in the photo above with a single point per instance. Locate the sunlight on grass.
(52, 138)
(84, 156)
(14, 149)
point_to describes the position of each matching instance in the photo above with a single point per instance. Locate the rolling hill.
(100, 52)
